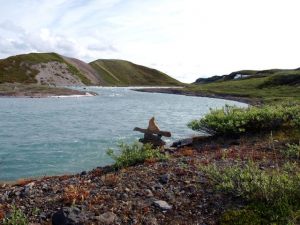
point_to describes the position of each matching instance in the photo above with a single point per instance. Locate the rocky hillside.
(57, 70)
(124, 73)
(41, 68)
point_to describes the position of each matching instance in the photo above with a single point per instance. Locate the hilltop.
(56, 70)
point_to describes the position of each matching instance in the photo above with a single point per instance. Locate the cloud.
(8, 25)
(186, 39)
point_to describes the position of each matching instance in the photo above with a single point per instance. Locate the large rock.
(68, 216)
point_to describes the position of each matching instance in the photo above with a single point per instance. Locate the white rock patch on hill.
(55, 73)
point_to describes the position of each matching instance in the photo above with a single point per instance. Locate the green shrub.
(17, 217)
(291, 151)
(240, 217)
(130, 155)
(232, 120)
(274, 195)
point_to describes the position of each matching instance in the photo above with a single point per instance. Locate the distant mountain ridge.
(54, 69)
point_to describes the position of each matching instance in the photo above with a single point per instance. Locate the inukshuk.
(153, 134)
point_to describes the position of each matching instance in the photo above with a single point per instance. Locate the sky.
(186, 39)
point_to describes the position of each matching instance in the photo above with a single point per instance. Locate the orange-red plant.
(73, 194)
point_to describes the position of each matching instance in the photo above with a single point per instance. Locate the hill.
(41, 68)
(124, 73)
(56, 70)
(251, 86)
(276, 77)
(268, 85)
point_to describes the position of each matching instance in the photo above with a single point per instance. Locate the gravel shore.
(156, 192)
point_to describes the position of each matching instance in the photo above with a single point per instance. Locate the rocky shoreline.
(156, 192)
(181, 91)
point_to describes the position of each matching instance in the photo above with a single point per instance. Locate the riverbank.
(39, 91)
(174, 191)
(182, 91)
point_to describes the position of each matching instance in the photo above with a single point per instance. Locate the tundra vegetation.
(130, 155)
(271, 195)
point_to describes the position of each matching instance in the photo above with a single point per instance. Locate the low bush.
(291, 151)
(130, 155)
(17, 217)
(232, 120)
(272, 195)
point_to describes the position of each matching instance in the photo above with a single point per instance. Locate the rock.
(164, 179)
(43, 216)
(183, 142)
(151, 221)
(68, 216)
(163, 205)
(59, 218)
(153, 127)
(125, 196)
(107, 218)
(148, 193)
(30, 185)
(157, 186)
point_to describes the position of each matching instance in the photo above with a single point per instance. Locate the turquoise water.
(51, 136)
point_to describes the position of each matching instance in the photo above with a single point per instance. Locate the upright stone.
(153, 134)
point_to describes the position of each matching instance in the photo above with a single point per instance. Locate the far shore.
(181, 91)
(39, 91)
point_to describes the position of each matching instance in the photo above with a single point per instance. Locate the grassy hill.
(54, 69)
(22, 68)
(124, 73)
(269, 85)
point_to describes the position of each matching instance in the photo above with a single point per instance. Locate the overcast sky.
(185, 38)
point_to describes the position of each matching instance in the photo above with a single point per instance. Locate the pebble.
(148, 193)
(164, 179)
(162, 205)
(106, 218)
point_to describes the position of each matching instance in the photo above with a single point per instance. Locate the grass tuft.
(136, 153)
(17, 217)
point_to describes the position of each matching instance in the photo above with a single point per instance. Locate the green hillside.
(124, 73)
(19, 68)
(268, 85)
(54, 69)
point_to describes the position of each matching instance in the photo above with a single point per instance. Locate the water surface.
(51, 136)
